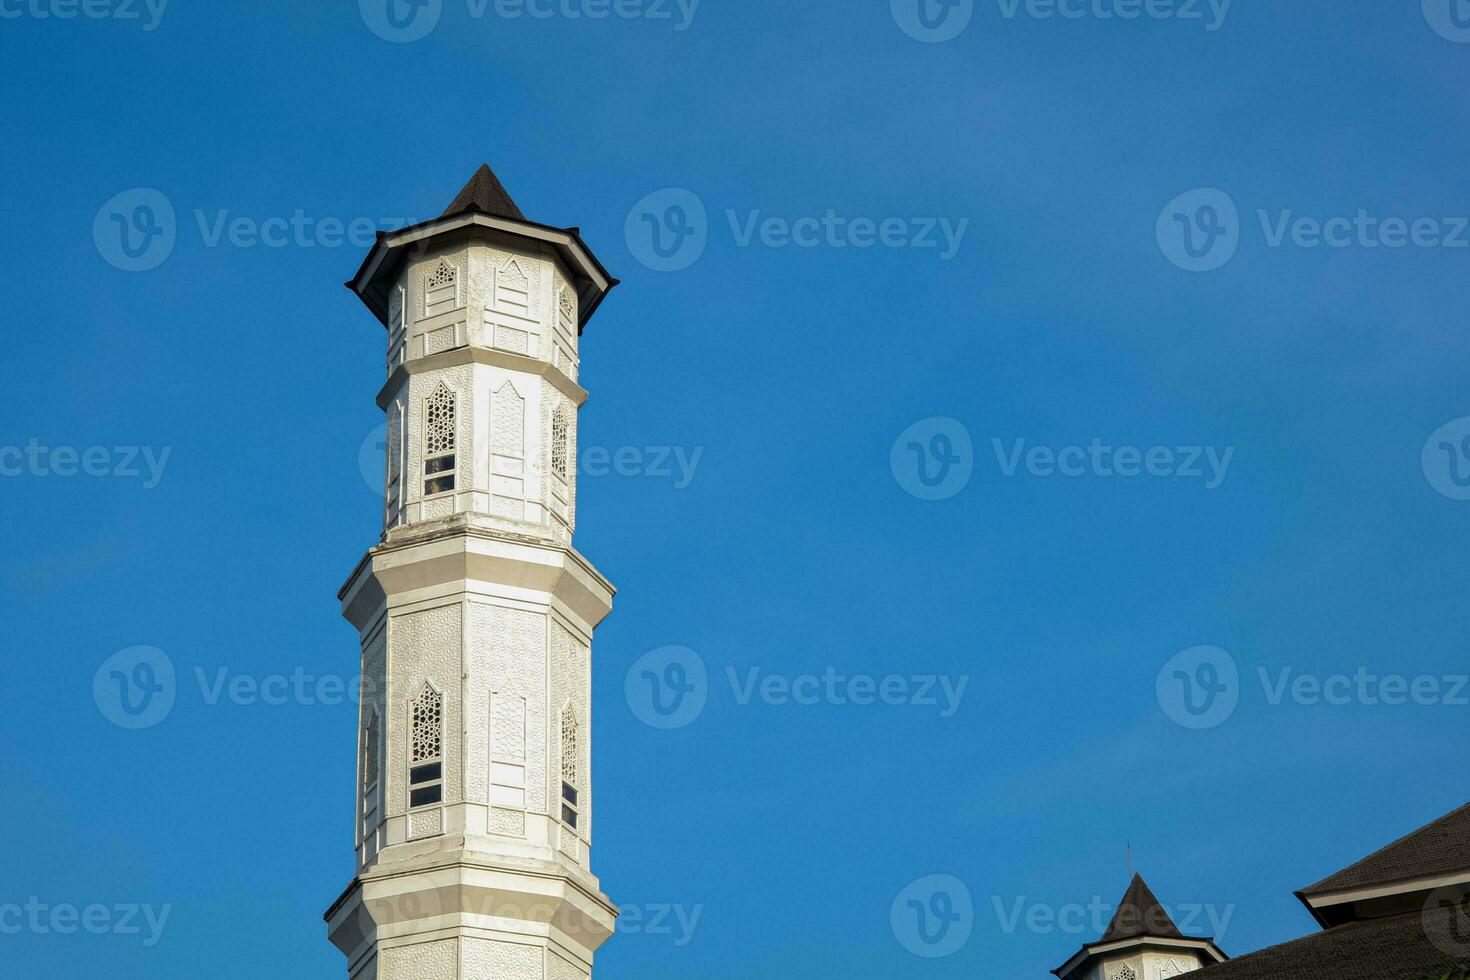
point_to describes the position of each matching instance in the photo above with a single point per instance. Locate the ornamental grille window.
(370, 743)
(394, 446)
(439, 441)
(559, 435)
(426, 738)
(371, 747)
(569, 805)
(443, 276)
(1125, 973)
(441, 289)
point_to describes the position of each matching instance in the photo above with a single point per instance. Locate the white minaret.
(473, 822)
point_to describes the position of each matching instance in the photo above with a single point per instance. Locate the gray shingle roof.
(485, 194)
(1410, 946)
(1140, 914)
(1440, 847)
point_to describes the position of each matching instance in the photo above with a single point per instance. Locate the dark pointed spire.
(485, 194)
(1140, 914)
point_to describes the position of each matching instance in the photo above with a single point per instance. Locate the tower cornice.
(593, 282)
(464, 549)
(482, 355)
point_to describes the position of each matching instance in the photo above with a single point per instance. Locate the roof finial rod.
(1129, 845)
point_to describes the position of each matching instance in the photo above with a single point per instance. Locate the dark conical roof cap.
(1139, 915)
(485, 194)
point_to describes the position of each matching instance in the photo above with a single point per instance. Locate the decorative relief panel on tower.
(421, 961)
(506, 670)
(488, 959)
(513, 303)
(508, 763)
(508, 453)
(1172, 967)
(560, 969)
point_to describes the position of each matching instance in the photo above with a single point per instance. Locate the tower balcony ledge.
(467, 549)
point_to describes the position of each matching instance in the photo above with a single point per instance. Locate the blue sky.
(1074, 152)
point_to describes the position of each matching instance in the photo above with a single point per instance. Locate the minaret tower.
(474, 817)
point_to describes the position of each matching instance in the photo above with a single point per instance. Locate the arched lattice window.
(439, 457)
(569, 759)
(560, 433)
(372, 736)
(394, 484)
(426, 747)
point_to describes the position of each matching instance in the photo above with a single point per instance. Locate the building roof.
(1140, 914)
(1439, 847)
(1409, 946)
(485, 194)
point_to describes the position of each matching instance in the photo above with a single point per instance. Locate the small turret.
(1141, 943)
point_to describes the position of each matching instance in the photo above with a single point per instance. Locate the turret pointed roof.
(485, 194)
(1139, 915)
